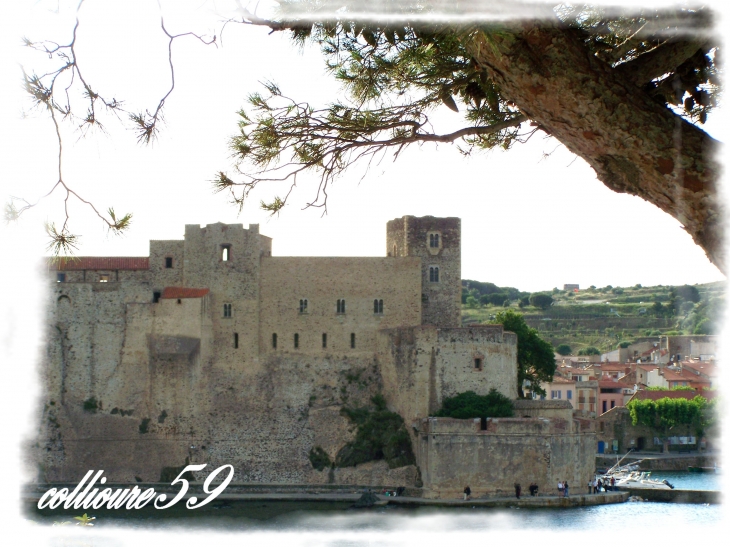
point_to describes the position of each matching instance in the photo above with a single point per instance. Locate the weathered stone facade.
(211, 350)
(491, 456)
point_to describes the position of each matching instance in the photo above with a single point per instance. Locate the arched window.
(303, 305)
(378, 306)
(433, 241)
(341, 305)
(433, 274)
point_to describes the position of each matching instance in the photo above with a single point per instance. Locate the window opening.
(179, 301)
(296, 340)
(433, 274)
(303, 305)
(433, 241)
(324, 340)
(352, 340)
(156, 297)
(60, 278)
(570, 394)
(225, 253)
(483, 424)
(341, 306)
(378, 306)
(168, 262)
(227, 310)
(235, 340)
(104, 278)
(273, 340)
(477, 363)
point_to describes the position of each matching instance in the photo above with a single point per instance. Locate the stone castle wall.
(456, 453)
(137, 382)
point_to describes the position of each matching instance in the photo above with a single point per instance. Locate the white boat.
(641, 480)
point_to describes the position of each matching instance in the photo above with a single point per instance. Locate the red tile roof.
(100, 263)
(183, 292)
(562, 380)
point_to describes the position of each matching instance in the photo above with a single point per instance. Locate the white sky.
(527, 222)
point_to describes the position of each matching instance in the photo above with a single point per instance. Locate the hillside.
(601, 317)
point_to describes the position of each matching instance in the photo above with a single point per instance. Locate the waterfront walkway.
(576, 500)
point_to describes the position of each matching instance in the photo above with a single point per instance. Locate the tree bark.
(634, 144)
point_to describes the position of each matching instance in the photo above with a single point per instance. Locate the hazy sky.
(527, 220)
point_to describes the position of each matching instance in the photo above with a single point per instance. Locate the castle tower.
(437, 242)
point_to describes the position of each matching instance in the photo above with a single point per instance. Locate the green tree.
(470, 405)
(535, 357)
(589, 351)
(541, 300)
(471, 302)
(563, 349)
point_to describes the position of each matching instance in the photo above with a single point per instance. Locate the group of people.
(598, 485)
(563, 488)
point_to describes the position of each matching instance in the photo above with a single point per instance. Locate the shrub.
(470, 405)
(589, 351)
(319, 458)
(563, 349)
(91, 404)
(624, 344)
(381, 435)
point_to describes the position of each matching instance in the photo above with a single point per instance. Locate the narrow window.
(296, 340)
(179, 301)
(377, 306)
(168, 262)
(156, 297)
(436, 240)
(225, 253)
(235, 340)
(352, 340)
(433, 274)
(477, 363)
(433, 241)
(613, 403)
(104, 278)
(324, 340)
(341, 305)
(60, 278)
(570, 394)
(605, 406)
(273, 340)
(483, 424)
(227, 310)
(303, 305)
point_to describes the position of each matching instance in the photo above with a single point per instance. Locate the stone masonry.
(211, 350)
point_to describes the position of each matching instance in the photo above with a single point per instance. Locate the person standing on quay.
(565, 489)
(518, 489)
(560, 489)
(467, 493)
(590, 484)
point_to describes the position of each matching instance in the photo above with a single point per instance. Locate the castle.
(211, 350)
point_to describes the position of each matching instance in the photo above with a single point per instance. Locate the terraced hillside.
(601, 317)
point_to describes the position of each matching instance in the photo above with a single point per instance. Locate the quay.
(351, 494)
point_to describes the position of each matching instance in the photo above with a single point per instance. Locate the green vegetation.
(563, 349)
(381, 435)
(541, 300)
(470, 405)
(604, 318)
(666, 414)
(535, 357)
(319, 458)
(91, 405)
(590, 351)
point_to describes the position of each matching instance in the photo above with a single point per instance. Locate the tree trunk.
(634, 144)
